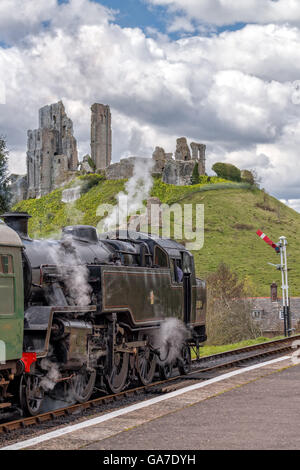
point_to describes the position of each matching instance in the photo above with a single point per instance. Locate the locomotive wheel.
(184, 362)
(82, 385)
(165, 371)
(146, 364)
(31, 394)
(117, 379)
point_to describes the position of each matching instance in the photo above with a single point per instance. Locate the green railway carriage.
(11, 306)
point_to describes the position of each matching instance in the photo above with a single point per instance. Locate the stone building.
(268, 312)
(101, 136)
(52, 156)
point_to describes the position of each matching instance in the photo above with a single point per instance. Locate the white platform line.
(137, 406)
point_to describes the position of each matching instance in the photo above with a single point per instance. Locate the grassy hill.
(233, 213)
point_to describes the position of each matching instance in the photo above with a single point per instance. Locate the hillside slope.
(233, 213)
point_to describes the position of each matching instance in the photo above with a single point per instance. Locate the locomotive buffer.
(280, 247)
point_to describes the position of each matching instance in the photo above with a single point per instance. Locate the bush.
(227, 171)
(195, 179)
(89, 181)
(229, 317)
(248, 177)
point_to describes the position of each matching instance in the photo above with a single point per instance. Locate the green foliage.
(89, 181)
(4, 181)
(227, 171)
(208, 350)
(230, 210)
(195, 179)
(248, 177)
(91, 163)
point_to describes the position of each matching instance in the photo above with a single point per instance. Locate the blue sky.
(139, 13)
(136, 13)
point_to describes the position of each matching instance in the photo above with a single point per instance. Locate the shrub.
(227, 171)
(248, 177)
(195, 179)
(89, 181)
(229, 317)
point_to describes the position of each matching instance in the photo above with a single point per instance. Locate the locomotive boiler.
(83, 313)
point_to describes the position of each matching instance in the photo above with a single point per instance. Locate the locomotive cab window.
(177, 272)
(161, 258)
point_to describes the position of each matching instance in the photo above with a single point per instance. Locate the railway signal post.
(280, 247)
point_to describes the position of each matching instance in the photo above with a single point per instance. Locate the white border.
(138, 406)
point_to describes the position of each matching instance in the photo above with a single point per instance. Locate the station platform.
(253, 408)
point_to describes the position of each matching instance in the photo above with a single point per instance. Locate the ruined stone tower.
(101, 136)
(51, 151)
(198, 153)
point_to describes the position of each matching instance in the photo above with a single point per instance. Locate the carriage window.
(6, 264)
(161, 258)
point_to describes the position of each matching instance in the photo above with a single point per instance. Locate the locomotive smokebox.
(18, 221)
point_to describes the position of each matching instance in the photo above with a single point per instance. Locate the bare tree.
(229, 317)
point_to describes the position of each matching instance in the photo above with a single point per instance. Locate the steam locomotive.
(82, 313)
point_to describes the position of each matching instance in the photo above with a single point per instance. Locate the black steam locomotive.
(92, 312)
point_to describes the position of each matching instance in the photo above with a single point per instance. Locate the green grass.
(209, 350)
(233, 213)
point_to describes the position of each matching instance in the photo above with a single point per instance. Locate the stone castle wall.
(52, 157)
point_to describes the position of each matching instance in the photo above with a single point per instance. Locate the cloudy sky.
(222, 72)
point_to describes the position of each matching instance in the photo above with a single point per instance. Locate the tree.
(4, 179)
(195, 179)
(229, 316)
(248, 177)
(227, 171)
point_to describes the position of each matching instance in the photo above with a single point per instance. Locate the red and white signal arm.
(266, 239)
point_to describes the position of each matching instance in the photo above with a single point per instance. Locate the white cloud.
(18, 18)
(232, 91)
(227, 12)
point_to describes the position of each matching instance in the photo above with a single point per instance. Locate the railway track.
(200, 370)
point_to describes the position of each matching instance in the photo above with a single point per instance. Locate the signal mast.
(280, 247)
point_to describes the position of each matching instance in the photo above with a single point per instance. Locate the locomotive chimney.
(18, 221)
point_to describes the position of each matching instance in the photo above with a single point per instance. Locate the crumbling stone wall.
(101, 136)
(198, 153)
(52, 156)
(123, 169)
(182, 150)
(178, 172)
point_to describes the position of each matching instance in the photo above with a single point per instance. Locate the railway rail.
(200, 368)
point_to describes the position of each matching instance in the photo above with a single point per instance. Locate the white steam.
(137, 189)
(71, 195)
(74, 274)
(170, 339)
(49, 381)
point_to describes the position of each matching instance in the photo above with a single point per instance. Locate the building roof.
(9, 237)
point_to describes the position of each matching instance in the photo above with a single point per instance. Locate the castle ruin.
(52, 157)
(101, 136)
